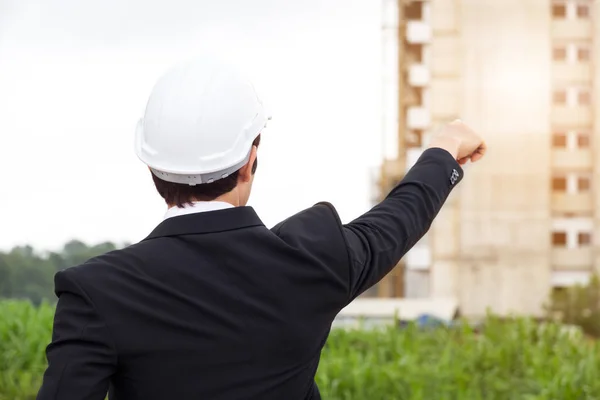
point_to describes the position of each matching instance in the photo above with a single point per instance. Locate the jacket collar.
(207, 222)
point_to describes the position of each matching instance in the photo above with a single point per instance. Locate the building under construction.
(523, 73)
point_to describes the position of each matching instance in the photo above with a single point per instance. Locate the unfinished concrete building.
(523, 73)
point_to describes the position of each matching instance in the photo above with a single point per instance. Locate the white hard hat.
(200, 122)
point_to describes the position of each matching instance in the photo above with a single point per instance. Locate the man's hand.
(460, 141)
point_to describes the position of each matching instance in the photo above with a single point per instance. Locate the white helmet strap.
(193, 180)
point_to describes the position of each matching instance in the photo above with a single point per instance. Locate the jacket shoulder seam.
(340, 227)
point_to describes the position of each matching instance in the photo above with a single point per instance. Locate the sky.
(75, 77)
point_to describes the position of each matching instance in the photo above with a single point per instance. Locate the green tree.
(27, 274)
(5, 277)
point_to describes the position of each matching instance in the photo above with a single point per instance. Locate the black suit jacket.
(216, 306)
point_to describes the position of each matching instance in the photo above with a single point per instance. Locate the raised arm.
(377, 240)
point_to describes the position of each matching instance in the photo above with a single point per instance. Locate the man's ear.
(245, 174)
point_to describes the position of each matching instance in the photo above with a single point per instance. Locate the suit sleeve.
(81, 357)
(377, 240)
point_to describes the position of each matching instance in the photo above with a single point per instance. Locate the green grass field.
(508, 361)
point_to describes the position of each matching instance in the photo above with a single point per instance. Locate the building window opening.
(413, 53)
(584, 239)
(559, 139)
(560, 97)
(559, 184)
(559, 239)
(583, 184)
(559, 53)
(414, 11)
(583, 11)
(584, 98)
(583, 140)
(583, 54)
(559, 10)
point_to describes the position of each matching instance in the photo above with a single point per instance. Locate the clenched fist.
(460, 141)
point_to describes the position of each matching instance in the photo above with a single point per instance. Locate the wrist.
(451, 145)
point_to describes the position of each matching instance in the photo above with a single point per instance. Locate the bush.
(578, 305)
(517, 359)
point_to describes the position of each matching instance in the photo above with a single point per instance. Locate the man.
(212, 304)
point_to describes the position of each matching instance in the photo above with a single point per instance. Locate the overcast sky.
(75, 76)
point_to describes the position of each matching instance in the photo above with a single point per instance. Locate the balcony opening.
(583, 140)
(414, 11)
(583, 54)
(584, 184)
(584, 239)
(559, 139)
(559, 239)
(559, 97)
(559, 10)
(559, 184)
(414, 139)
(413, 52)
(412, 96)
(559, 53)
(584, 97)
(583, 11)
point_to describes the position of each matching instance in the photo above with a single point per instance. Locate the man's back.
(228, 311)
(214, 305)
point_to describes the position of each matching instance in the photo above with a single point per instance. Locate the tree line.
(29, 274)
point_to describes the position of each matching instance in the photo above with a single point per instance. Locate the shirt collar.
(197, 207)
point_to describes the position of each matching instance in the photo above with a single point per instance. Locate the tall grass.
(25, 330)
(508, 360)
(518, 359)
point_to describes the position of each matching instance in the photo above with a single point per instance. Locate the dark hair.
(180, 194)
